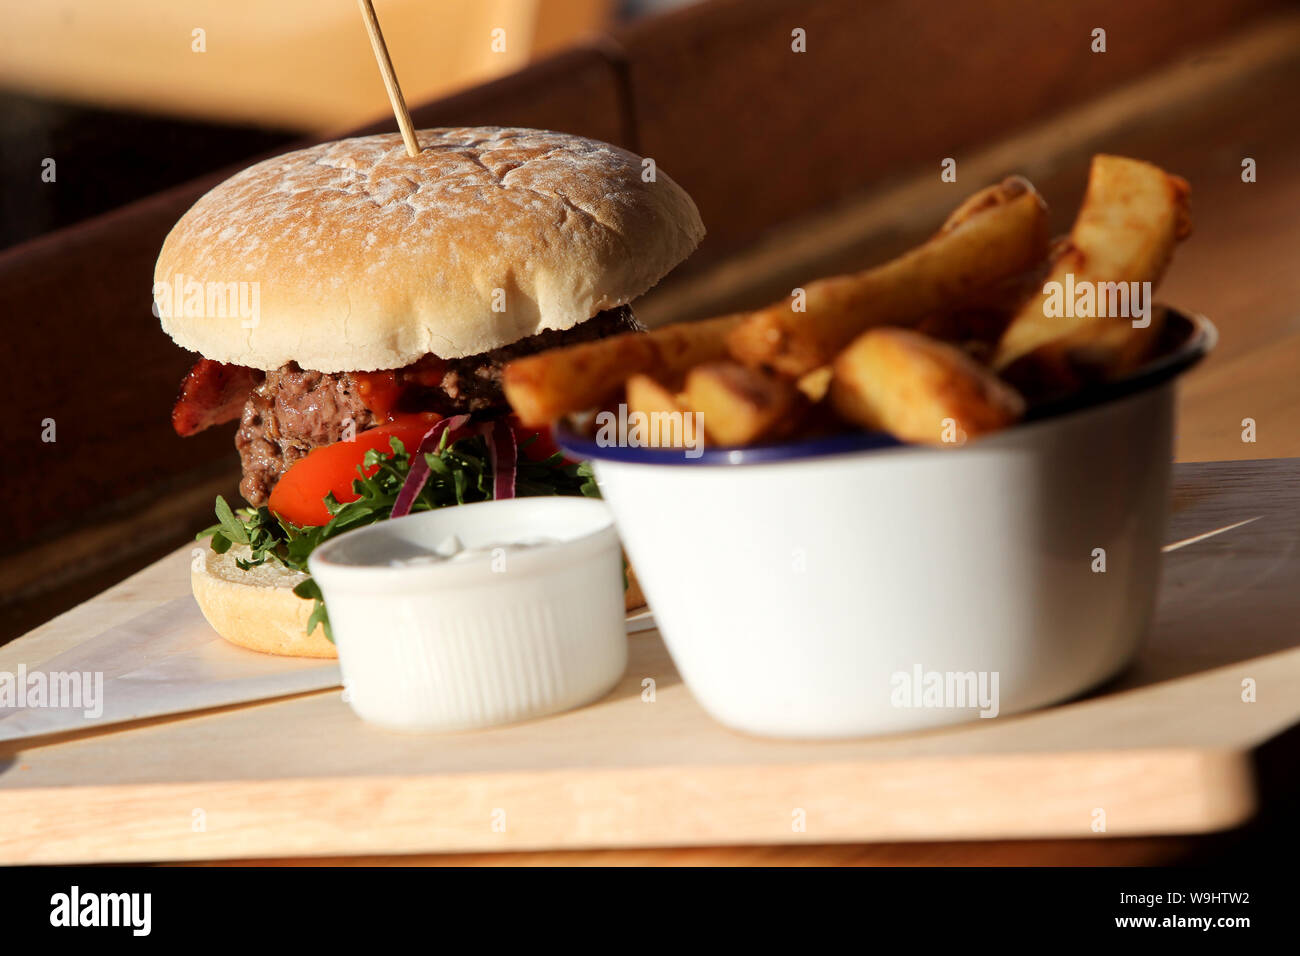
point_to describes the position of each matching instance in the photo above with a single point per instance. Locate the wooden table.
(1168, 747)
(1238, 268)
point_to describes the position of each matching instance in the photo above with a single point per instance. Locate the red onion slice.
(504, 455)
(419, 472)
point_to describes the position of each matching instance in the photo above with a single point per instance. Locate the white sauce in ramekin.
(452, 550)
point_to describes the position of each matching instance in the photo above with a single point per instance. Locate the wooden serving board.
(1165, 749)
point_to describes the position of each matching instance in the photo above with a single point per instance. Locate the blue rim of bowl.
(1198, 342)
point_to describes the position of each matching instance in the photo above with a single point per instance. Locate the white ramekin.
(806, 590)
(456, 646)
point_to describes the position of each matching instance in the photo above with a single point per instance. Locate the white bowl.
(495, 639)
(810, 589)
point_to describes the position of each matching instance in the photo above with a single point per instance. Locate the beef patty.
(295, 410)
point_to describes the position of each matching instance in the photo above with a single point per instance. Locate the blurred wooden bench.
(295, 64)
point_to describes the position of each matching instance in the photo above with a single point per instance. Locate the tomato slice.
(299, 495)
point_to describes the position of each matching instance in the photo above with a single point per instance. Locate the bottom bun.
(257, 608)
(633, 598)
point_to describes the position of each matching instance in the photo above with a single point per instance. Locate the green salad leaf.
(459, 473)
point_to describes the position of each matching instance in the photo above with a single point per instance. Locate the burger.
(352, 307)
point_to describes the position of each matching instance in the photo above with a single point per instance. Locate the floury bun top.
(364, 257)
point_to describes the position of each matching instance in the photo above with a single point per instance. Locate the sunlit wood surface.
(1239, 268)
(1168, 747)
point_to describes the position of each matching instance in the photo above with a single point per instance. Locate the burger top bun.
(354, 256)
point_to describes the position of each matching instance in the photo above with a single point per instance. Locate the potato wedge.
(544, 386)
(1133, 215)
(985, 199)
(965, 325)
(651, 398)
(648, 394)
(741, 405)
(816, 383)
(919, 389)
(1094, 352)
(987, 315)
(633, 596)
(998, 233)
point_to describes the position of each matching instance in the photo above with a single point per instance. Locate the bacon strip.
(212, 393)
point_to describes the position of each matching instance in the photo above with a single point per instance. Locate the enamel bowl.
(852, 585)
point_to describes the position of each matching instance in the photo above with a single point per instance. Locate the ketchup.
(379, 392)
(382, 392)
(428, 372)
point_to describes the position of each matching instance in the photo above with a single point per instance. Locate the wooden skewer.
(390, 77)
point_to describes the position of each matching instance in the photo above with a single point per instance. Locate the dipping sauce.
(452, 550)
(434, 635)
